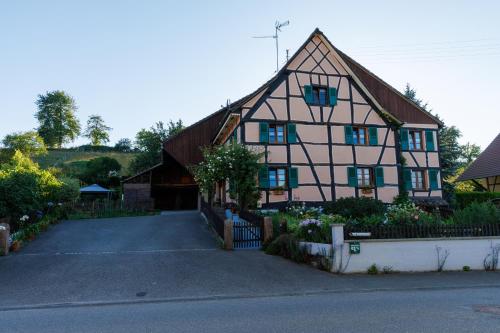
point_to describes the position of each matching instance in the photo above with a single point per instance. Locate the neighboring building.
(485, 170)
(329, 129)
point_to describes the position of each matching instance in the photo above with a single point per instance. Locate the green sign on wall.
(354, 248)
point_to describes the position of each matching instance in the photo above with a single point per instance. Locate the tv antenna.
(277, 28)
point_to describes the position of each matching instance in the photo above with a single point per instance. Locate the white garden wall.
(411, 255)
(419, 255)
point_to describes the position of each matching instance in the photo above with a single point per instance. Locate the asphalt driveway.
(172, 257)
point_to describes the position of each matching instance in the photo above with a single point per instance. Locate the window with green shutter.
(379, 176)
(263, 177)
(264, 132)
(348, 135)
(373, 136)
(352, 177)
(234, 138)
(404, 138)
(407, 179)
(308, 94)
(293, 177)
(292, 133)
(332, 94)
(429, 140)
(433, 179)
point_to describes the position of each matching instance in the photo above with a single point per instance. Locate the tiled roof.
(486, 165)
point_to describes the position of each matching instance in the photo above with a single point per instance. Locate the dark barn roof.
(186, 146)
(486, 165)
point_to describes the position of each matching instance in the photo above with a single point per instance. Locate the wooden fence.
(214, 218)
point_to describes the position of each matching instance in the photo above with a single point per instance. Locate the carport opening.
(175, 198)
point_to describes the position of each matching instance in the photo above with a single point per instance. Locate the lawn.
(58, 157)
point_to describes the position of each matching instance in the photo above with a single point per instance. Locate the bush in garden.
(287, 246)
(407, 213)
(300, 210)
(477, 213)
(368, 221)
(464, 199)
(311, 230)
(355, 207)
(25, 188)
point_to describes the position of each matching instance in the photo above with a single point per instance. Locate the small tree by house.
(97, 131)
(234, 163)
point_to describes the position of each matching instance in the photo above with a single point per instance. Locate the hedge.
(466, 198)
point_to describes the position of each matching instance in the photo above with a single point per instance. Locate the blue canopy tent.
(95, 190)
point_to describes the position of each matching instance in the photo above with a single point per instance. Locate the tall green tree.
(452, 154)
(149, 142)
(97, 131)
(469, 152)
(124, 145)
(57, 120)
(29, 143)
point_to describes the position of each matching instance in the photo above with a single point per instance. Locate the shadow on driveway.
(173, 256)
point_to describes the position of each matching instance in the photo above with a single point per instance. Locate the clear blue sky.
(138, 62)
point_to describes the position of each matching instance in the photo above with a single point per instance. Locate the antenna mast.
(277, 28)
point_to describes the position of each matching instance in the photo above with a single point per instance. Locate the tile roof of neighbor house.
(486, 165)
(186, 146)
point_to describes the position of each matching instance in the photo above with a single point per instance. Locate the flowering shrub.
(234, 163)
(406, 213)
(301, 211)
(311, 230)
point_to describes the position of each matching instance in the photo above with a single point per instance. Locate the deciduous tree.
(56, 116)
(29, 143)
(150, 141)
(97, 131)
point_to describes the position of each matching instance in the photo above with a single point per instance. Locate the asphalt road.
(166, 273)
(464, 310)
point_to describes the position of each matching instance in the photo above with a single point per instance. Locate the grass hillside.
(61, 157)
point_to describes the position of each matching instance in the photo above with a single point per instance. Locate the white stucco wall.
(420, 255)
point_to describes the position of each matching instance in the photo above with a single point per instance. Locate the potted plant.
(16, 245)
(278, 190)
(366, 190)
(236, 214)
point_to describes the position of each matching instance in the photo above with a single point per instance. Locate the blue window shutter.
(292, 133)
(308, 94)
(404, 138)
(348, 135)
(264, 132)
(263, 177)
(429, 141)
(332, 93)
(433, 179)
(352, 177)
(293, 177)
(379, 176)
(373, 136)
(407, 179)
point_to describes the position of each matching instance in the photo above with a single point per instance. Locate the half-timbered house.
(328, 127)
